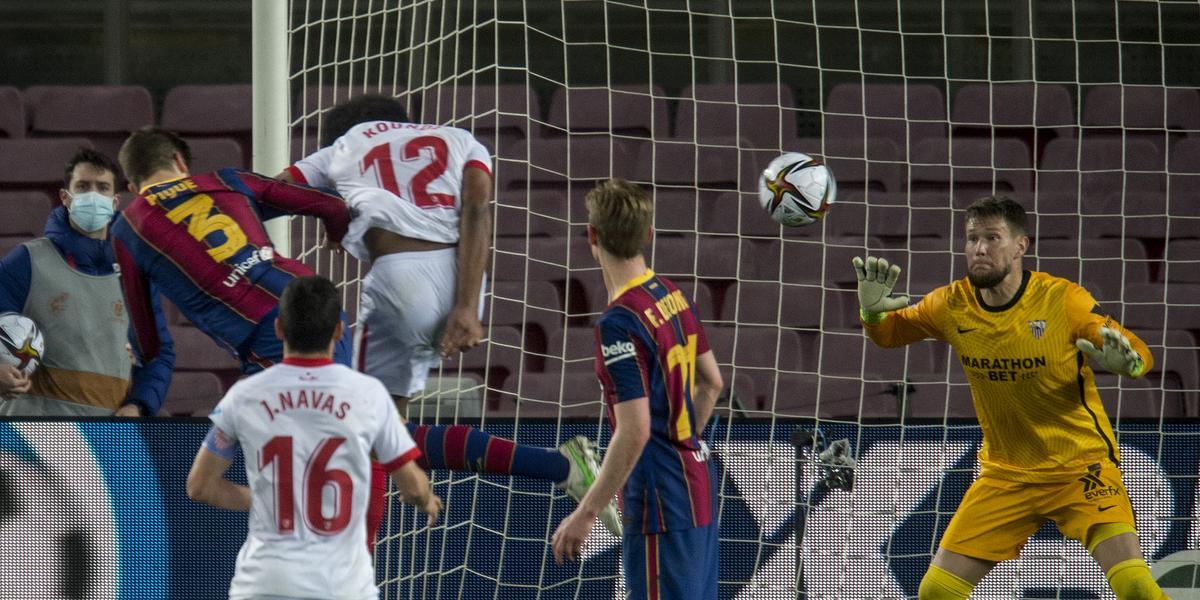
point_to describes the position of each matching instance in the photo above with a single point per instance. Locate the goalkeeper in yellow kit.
(1023, 339)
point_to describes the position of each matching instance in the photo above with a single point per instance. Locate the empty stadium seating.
(201, 111)
(12, 113)
(106, 114)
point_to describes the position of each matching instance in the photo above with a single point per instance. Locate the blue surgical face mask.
(90, 211)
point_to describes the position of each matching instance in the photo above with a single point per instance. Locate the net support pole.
(269, 59)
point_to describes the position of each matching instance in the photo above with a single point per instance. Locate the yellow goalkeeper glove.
(875, 282)
(1116, 356)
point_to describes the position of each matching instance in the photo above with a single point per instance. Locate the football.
(796, 189)
(22, 341)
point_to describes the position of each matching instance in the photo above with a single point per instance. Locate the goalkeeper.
(1024, 339)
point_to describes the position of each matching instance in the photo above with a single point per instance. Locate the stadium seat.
(976, 167)
(571, 350)
(637, 111)
(757, 348)
(710, 257)
(1184, 178)
(499, 116)
(24, 213)
(225, 111)
(932, 260)
(1182, 261)
(1135, 108)
(1095, 166)
(931, 397)
(534, 303)
(1032, 113)
(553, 395)
(833, 398)
(1109, 262)
(577, 157)
(36, 163)
(1141, 398)
(783, 305)
(898, 112)
(1154, 305)
(1177, 363)
(684, 163)
(210, 154)
(851, 219)
(192, 393)
(762, 115)
(104, 114)
(13, 122)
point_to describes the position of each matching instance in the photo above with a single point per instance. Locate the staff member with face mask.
(66, 283)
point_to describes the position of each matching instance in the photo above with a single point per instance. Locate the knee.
(940, 584)
(1131, 580)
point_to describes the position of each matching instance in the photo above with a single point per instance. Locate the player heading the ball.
(307, 428)
(1048, 452)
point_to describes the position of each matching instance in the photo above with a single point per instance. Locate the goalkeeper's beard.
(988, 279)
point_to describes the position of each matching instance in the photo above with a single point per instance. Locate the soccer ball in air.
(796, 189)
(22, 342)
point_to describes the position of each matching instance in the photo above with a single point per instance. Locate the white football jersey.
(307, 429)
(401, 177)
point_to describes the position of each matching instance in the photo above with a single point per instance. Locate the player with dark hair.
(65, 282)
(660, 383)
(307, 427)
(1023, 338)
(421, 198)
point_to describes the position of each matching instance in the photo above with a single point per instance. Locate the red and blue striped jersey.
(201, 240)
(647, 342)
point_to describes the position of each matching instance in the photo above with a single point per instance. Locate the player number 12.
(380, 158)
(278, 452)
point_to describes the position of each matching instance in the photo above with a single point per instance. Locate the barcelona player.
(660, 383)
(1024, 339)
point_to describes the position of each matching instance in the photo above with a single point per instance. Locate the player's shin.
(1131, 580)
(464, 448)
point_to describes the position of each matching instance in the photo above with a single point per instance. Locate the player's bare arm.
(630, 435)
(708, 386)
(415, 490)
(206, 483)
(463, 329)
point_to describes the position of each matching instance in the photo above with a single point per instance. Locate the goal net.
(1088, 113)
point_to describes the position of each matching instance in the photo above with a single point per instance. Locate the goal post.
(1086, 113)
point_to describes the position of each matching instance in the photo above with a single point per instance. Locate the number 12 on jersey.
(380, 159)
(277, 454)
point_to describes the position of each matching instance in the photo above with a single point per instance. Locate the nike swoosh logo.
(961, 330)
(1104, 508)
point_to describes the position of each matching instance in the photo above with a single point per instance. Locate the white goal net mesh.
(1086, 112)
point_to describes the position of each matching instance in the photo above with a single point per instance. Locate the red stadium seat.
(762, 115)
(36, 163)
(210, 154)
(24, 213)
(1032, 113)
(211, 110)
(1096, 166)
(902, 113)
(12, 113)
(220, 110)
(499, 116)
(104, 114)
(622, 110)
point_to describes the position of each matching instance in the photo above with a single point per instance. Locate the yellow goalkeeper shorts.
(996, 517)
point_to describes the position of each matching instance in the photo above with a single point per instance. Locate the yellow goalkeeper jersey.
(1033, 390)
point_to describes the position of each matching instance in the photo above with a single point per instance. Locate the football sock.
(1131, 580)
(464, 448)
(940, 584)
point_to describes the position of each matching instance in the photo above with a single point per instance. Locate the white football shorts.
(406, 298)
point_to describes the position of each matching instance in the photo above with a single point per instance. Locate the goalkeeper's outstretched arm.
(888, 320)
